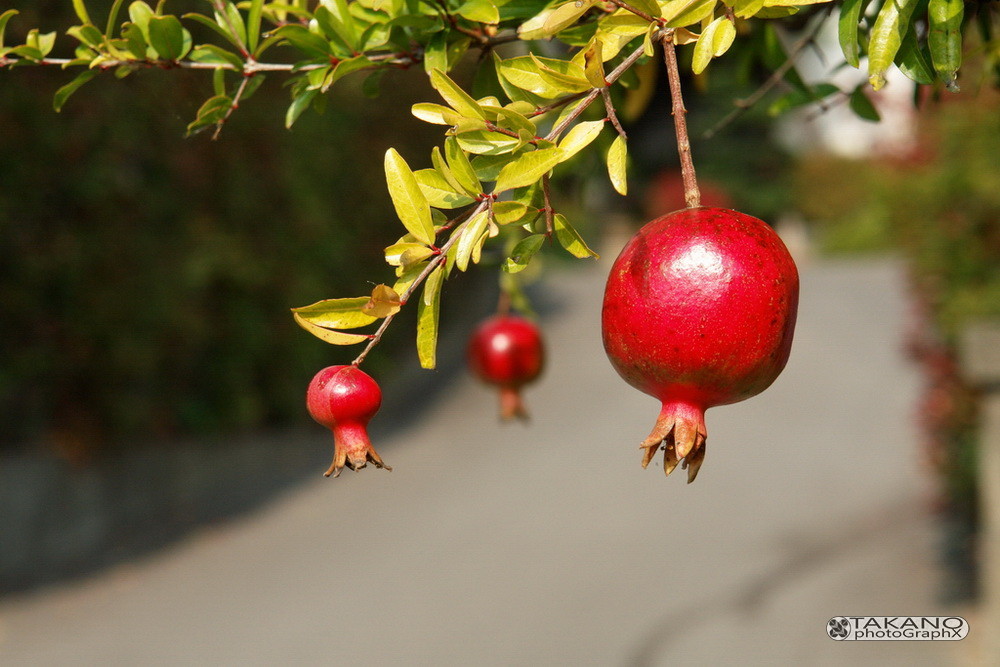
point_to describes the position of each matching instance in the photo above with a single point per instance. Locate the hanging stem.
(692, 196)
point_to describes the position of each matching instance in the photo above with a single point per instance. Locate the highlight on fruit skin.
(699, 310)
(507, 351)
(344, 399)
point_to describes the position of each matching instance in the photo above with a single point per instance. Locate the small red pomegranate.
(344, 399)
(507, 351)
(699, 311)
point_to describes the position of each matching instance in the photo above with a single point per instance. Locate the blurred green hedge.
(146, 278)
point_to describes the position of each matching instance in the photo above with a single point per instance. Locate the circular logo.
(838, 628)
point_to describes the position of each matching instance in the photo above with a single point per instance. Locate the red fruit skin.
(344, 399)
(699, 310)
(507, 351)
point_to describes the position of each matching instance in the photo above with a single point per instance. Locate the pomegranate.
(507, 351)
(344, 399)
(699, 311)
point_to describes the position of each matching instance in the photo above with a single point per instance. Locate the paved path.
(548, 544)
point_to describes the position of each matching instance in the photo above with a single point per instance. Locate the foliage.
(525, 114)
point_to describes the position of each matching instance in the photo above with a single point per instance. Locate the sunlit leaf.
(522, 253)
(579, 137)
(407, 198)
(337, 313)
(891, 26)
(438, 191)
(617, 165)
(458, 99)
(528, 168)
(329, 335)
(715, 40)
(570, 239)
(471, 236)
(428, 314)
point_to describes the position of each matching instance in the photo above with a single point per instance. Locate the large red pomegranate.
(699, 311)
(507, 351)
(344, 399)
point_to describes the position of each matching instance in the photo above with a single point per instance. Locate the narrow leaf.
(847, 28)
(410, 203)
(458, 99)
(428, 314)
(329, 335)
(470, 237)
(891, 26)
(61, 95)
(570, 239)
(81, 11)
(522, 253)
(617, 165)
(299, 104)
(863, 106)
(528, 168)
(461, 168)
(337, 313)
(437, 190)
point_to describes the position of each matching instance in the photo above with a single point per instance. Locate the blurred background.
(152, 382)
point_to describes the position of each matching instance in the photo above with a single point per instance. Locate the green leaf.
(580, 137)
(337, 16)
(744, 9)
(311, 44)
(891, 26)
(166, 35)
(458, 99)
(6, 16)
(914, 60)
(863, 106)
(253, 24)
(570, 239)
(337, 313)
(299, 104)
(436, 53)
(526, 73)
(215, 27)
(618, 164)
(211, 112)
(528, 168)
(89, 35)
(715, 40)
(461, 168)
(428, 314)
(407, 198)
(522, 253)
(472, 236)
(680, 13)
(564, 16)
(797, 98)
(438, 191)
(507, 212)
(847, 29)
(211, 53)
(230, 20)
(328, 335)
(437, 114)
(480, 11)
(488, 166)
(81, 11)
(484, 142)
(572, 80)
(63, 93)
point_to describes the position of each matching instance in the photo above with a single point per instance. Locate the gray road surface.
(548, 544)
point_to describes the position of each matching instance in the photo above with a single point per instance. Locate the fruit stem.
(692, 196)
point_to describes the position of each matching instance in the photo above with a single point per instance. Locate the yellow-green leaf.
(336, 313)
(407, 197)
(565, 15)
(471, 236)
(438, 114)
(570, 239)
(438, 191)
(329, 335)
(891, 26)
(680, 13)
(458, 99)
(528, 168)
(593, 59)
(507, 212)
(580, 137)
(428, 311)
(461, 168)
(617, 165)
(715, 40)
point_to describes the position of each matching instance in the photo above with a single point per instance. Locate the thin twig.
(742, 106)
(638, 12)
(438, 259)
(232, 107)
(547, 197)
(692, 196)
(609, 108)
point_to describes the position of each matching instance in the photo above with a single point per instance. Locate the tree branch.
(692, 196)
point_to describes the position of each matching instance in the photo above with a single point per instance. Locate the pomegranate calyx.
(511, 404)
(352, 449)
(680, 432)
